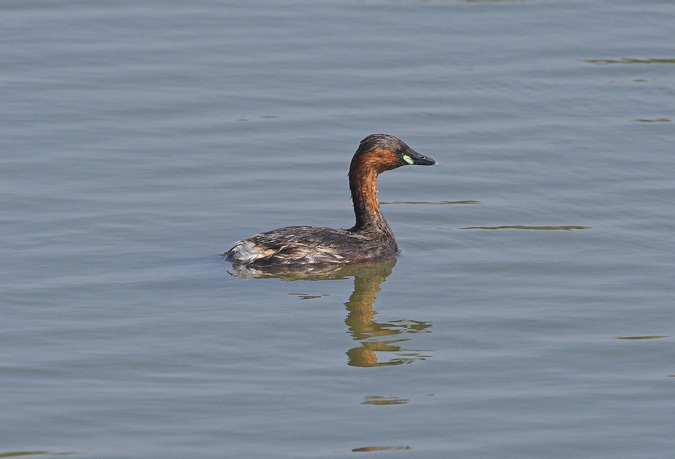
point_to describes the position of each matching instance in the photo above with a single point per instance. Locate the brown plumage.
(370, 238)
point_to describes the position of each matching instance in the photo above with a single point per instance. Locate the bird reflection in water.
(374, 338)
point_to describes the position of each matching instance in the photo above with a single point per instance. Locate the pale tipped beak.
(413, 158)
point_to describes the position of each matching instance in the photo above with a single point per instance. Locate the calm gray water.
(531, 313)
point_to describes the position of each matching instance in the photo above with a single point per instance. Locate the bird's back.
(311, 245)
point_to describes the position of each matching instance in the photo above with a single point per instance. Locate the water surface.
(530, 313)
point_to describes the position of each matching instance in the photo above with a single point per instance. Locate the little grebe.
(371, 237)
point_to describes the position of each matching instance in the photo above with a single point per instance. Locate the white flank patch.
(245, 252)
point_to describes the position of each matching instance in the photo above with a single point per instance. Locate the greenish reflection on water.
(34, 453)
(628, 60)
(653, 120)
(525, 227)
(642, 337)
(367, 449)
(431, 203)
(383, 400)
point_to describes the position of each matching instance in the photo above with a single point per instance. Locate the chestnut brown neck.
(363, 174)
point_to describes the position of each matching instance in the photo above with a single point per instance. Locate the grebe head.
(377, 153)
(384, 152)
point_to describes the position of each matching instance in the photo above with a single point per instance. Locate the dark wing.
(291, 245)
